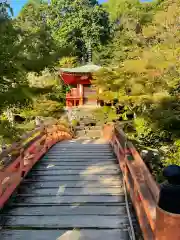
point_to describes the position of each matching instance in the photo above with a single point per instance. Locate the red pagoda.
(79, 79)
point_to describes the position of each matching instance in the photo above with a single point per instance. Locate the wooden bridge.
(55, 187)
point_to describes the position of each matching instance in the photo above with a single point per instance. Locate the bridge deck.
(74, 192)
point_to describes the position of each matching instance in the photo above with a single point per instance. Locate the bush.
(74, 123)
(105, 114)
(142, 127)
(9, 133)
(172, 156)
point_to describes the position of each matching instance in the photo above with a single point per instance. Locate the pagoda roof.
(89, 68)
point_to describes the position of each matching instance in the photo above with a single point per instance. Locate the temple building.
(81, 90)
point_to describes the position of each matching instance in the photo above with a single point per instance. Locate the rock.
(19, 119)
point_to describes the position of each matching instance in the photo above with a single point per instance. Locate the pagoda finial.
(89, 52)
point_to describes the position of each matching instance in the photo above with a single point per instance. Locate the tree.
(39, 48)
(127, 19)
(26, 45)
(146, 77)
(137, 72)
(12, 74)
(80, 23)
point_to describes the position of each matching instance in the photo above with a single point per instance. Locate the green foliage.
(148, 69)
(105, 114)
(78, 23)
(44, 79)
(144, 71)
(173, 154)
(142, 127)
(45, 108)
(128, 18)
(31, 45)
(12, 74)
(39, 48)
(68, 62)
(47, 93)
(8, 132)
(74, 123)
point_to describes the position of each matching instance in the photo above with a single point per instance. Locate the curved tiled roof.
(83, 69)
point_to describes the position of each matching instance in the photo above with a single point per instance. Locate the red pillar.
(67, 103)
(81, 93)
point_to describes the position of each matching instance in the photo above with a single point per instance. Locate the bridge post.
(108, 131)
(168, 209)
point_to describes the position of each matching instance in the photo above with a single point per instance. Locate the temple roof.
(89, 68)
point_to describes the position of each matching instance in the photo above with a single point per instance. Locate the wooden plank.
(73, 143)
(73, 221)
(89, 151)
(75, 177)
(64, 235)
(65, 210)
(82, 146)
(81, 150)
(56, 184)
(85, 171)
(82, 155)
(21, 204)
(87, 145)
(78, 159)
(47, 167)
(76, 149)
(69, 199)
(63, 191)
(91, 155)
(68, 164)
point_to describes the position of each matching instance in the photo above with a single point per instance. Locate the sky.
(17, 5)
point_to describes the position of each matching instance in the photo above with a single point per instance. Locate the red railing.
(143, 189)
(20, 157)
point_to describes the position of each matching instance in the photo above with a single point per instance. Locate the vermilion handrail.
(143, 189)
(12, 151)
(27, 155)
